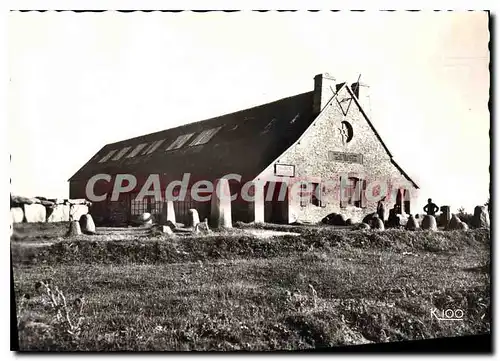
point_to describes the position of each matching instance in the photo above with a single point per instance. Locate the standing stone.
(56, 200)
(202, 226)
(167, 230)
(87, 224)
(402, 219)
(412, 224)
(145, 219)
(171, 225)
(20, 200)
(74, 229)
(362, 226)
(334, 219)
(76, 211)
(79, 201)
(220, 215)
(167, 213)
(46, 203)
(326, 219)
(481, 218)
(17, 214)
(59, 213)
(445, 217)
(381, 211)
(34, 213)
(377, 223)
(194, 218)
(454, 223)
(393, 220)
(429, 223)
(369, 217)
(338, 220)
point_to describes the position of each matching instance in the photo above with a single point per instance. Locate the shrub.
(61, 324)
(235, 246)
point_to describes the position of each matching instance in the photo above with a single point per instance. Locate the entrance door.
(276, 202)
(403, 201)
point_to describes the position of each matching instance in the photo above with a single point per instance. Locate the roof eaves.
(404, 173)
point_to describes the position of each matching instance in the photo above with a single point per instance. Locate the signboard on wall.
(284, 170)
(345, 157)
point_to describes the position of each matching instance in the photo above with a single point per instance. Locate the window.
(305, 196)
(346, 132)
(312, 193)
(147, 204)
(204, 136)
(268, 126)
(107, 156)
(148, 148)
(154, 146)
(316, 194)
(136, 150)
(180, 141)
(121, 153)
(352, 193)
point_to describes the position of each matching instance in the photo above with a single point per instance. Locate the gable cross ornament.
(344, 133)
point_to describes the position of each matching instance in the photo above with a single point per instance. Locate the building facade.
(296, 159)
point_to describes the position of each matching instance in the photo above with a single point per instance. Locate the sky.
(79, 81)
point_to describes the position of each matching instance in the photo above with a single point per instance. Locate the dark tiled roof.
(247, 142)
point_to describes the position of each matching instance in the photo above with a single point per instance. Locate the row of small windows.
(202, 138)
(354, 188)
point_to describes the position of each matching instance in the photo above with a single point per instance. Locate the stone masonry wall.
(312, 163)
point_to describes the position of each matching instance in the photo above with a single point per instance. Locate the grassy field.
(235, 291)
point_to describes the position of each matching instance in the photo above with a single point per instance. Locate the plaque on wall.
(284, 170)
(345, 157)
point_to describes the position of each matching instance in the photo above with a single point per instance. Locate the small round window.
(346, 132)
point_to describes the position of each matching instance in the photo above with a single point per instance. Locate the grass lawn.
(319, 289)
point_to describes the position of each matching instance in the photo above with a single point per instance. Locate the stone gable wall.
(312, 163)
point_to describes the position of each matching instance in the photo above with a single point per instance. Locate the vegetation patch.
(233, 291)
(240, 245)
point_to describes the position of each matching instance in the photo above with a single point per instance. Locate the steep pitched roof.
(244, 143)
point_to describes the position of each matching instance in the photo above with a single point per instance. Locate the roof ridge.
(208, 119)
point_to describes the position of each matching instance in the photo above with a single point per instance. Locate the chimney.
(362, 92)
(324, 89)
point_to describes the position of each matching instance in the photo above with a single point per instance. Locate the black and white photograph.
(248, 181)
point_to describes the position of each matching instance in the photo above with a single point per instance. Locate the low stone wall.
(41, 209)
